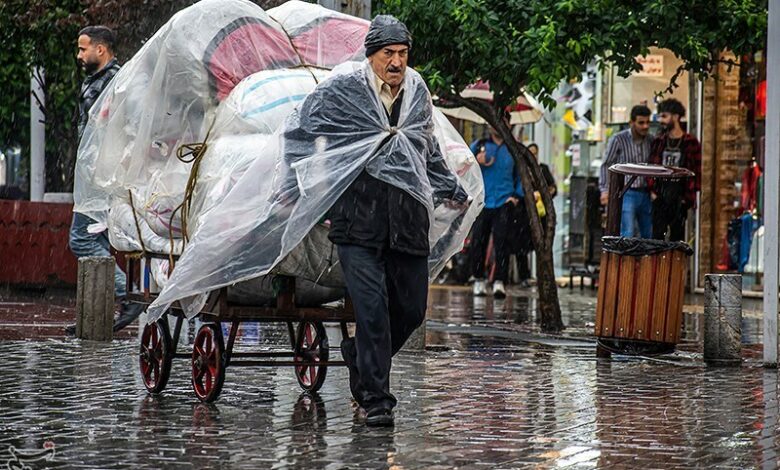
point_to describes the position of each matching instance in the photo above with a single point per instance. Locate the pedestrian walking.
(631, 146)
(381, 231)
(672, 199)
(96, 58)
(503, 193)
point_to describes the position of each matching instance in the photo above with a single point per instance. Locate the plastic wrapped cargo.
(260, 194)
(168, 93)
(340, 130)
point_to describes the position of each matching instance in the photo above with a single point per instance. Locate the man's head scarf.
(386, 30)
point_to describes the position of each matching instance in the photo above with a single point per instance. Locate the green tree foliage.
(533, 45)
(44, 33)
(39, 33)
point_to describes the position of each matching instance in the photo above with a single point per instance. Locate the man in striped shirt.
(631, 146)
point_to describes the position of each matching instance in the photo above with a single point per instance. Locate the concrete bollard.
(722, 319)
(95, 298)
(416, 341)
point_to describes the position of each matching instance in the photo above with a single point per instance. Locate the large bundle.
(168, 93)
(235, 82)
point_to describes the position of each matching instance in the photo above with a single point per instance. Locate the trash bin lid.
(651, 171)
(641, 246)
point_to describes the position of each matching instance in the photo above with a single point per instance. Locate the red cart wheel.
(156, 355)
(311, 345)
(208, 364)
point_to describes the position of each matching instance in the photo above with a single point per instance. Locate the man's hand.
(482, 158)
(513, 200)
(604, 198)
(460, 206)
(653, 196)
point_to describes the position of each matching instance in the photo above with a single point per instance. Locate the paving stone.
(478, 402)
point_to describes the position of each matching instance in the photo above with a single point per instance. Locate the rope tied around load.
(137, 225)
(188, 153)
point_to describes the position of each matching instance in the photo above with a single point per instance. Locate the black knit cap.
(386, 30)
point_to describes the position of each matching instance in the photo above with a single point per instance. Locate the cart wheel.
(156, 355)
(208, 365)
(311, 346)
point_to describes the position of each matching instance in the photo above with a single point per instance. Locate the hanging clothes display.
(750, 187)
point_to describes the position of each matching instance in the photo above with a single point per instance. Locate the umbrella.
(525, 110)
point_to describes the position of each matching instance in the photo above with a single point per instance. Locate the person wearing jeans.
(637, 214)
(632, 145)
(96, 57)
(83, 244)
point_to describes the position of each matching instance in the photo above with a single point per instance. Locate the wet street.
(490, 392)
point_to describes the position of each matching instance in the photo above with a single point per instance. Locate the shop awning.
(525, 111)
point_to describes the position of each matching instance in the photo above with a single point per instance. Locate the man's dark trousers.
(497, 221)
(669, 217)
(389, 291)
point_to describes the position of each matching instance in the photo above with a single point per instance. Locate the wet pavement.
(491, 392)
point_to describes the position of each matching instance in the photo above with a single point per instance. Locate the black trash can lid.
(651, 171)
(641, 246)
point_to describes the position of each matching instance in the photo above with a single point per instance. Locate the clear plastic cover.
(280, 151)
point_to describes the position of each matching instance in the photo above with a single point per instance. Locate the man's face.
(641, 125)
(89, 54)
(668, 120)
(389, 64)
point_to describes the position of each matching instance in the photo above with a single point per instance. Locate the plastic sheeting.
(341, 130)
(268, 175)
(168, 93)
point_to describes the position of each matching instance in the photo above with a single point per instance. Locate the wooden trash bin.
(641, 292)
(641, 281)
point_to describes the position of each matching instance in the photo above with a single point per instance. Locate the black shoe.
(348, 353)
(70, 330)
(380, 417)
(130, 311)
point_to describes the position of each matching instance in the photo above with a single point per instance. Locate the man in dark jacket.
(96, 57)
(673, 147)
(382, 235)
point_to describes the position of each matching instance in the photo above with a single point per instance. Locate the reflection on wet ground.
(519, 312)
(491, 392)
(501, 406)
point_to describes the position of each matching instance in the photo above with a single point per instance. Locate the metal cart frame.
(210, 356)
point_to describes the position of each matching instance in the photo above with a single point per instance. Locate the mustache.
(394, 69)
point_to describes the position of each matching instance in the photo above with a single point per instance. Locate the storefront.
(731, 228)
(727, 116)
(610, 107)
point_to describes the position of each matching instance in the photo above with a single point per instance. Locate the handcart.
(210, 356)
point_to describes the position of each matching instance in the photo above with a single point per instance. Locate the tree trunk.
(549, 308)
(542, 235)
